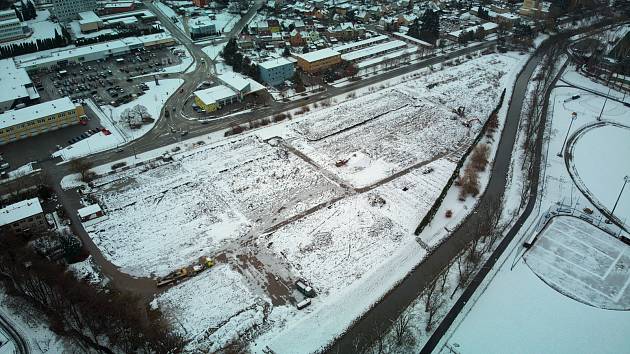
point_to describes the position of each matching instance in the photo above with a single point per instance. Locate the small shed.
(90, 212)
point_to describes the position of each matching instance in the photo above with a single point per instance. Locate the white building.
(10, 26)
(16, 85)
(66, 10)
(19, 217)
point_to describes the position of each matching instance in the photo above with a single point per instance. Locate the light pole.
(625, 180)
(573, 116)
(604, 106)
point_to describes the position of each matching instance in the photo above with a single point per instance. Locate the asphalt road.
(383, 313)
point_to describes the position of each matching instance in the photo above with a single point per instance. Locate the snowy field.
(213, 308)
(583, 262)
(517, 312)
(606, 149)
(208, 197)
(109, 116)
(348, 230)
(384, 139)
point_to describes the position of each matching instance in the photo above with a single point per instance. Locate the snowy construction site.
(330, 197)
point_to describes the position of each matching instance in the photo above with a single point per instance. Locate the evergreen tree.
(305, 49)
(414, 29)
(31, 9)
(286, 52)
(430, 29)
(19, 15)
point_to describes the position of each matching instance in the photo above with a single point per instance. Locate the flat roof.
(88, 17)
(234, 80)
(274, 63)
(348, 46)
(89, 210)
(377, 49)
(214, 94)
(486, 26)
(319, 55)
(27, 114)
(118, 45)
(412, 39)
(20, 210)
(13, 81)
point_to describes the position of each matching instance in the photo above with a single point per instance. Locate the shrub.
(479, 157)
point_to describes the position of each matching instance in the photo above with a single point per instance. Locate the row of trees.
(26, 11)
(121, 33)
(101, 320)
(59, 40)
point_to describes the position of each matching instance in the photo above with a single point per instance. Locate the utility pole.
(604, 105)
(625, 180)
(573, 117)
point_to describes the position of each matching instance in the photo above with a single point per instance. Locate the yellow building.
(33, 120)
(214, 98)
(318, 60)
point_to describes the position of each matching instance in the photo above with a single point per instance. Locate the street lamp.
(573, 116)
(605, 100)
(626, 179)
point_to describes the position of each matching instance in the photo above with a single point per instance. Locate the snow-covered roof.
(509, 16)
(274, 63)
(20, 210)
(116, 46)
(486, 26)
(27, 114)
(370, 51)
(234, 80)
(318, 55)
(214, 94)
(13, 81)
(89, 210)
(88, 17)
(346, 47)
(412, 39)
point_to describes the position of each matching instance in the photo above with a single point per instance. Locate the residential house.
(23, 216)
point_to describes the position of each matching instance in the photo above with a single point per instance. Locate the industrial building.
(216, 97)
(10, 27)
(23, 216)
(318, 60)
(33, 120)
(62, 57)
(66, 10)
(17, 86)
(276, 71)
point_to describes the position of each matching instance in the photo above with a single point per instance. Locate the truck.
(303, 287)
(186, 272)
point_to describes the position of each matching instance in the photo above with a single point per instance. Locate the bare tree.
(82, 167)
(433, 301)
(401, 325)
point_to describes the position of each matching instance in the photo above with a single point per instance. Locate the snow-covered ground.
(606, 149)
(417, 113)
(583, 262)
(109, 116)
(213, 309)
(517, 312)
(28, 321)
(213, 51)
(287, 198)
(209, 197)
(524, 311)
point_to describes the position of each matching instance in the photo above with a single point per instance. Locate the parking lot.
(40, 147)
(109, 81)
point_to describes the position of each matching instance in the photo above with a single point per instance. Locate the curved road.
(378, 319)
(578, 182)
(21, 345)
